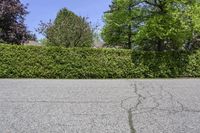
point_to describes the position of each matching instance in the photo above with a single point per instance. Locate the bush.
(193, 68)
(89, 63)
(58, 62)
(162, 64)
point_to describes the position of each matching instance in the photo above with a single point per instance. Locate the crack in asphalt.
(46, 101)
(181, 105)
(139, 97)
(130, 121)
(130, 110)
(175, 105)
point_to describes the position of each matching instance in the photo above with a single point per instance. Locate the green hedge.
(57, 62)
(168, 64)
(162, 64)
(89, 63)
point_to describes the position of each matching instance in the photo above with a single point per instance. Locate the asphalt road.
(100, 106)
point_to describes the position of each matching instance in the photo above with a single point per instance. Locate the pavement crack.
(157, 104)
(130, 121)
(152, 101)
(130, 110)
(140, 98)
(56, 102)
(181, 105)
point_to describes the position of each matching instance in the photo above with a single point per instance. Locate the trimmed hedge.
(89, 63)
(58, 62)
(162, 64)
(170, 64)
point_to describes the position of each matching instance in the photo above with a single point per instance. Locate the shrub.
(162, 64)
(58, 62)
(88, 63)
(193, 68)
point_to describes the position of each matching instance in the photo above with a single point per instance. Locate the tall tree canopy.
(119, 25)
(153, 24)
(12, 27)
(68, 30)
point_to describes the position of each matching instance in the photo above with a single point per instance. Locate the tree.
(12, 27)
(193, 15)
(119, 27)
(165, 29)
(153, 24)
(68, 30)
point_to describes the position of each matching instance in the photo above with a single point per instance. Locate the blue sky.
(47, 9)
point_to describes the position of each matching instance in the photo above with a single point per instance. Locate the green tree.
(165, 28)
(153, 24)
(68, 30)
(119, 26)
(193, 15)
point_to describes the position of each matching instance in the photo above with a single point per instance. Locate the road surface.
(100, 106)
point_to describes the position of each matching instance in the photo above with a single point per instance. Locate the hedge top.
(90, 63)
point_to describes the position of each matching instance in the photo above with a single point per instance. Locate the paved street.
(100, 106)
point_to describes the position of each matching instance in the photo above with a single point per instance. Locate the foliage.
(31, 37)
(68, 30)
(194, 23)
(162, 64)
(193, 68)
(58, 62)
(88, 63)
(167, 27)
(12, 27)
(118, 24)
(155, 25)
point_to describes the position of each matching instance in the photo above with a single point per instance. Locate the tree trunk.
(160, 45)
(129, 28)
(129, 37)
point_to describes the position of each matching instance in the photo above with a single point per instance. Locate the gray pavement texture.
(100, 106)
